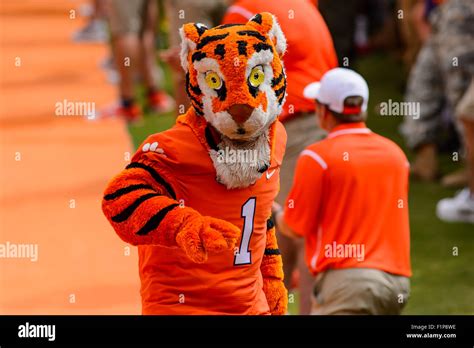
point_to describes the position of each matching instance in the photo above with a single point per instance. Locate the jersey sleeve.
(140, 202)
(303, 204)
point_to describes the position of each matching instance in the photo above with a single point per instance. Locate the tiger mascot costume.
(197, 209)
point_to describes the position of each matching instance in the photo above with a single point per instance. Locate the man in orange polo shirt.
(350, 201)
(310, 54)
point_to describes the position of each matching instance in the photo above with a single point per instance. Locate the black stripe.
(257, 18)
(280, 91)
(125, 190)
(198, 55)
(253, 90)
(155, 220)
(220, 50)
(196, 90)
(194, 101)
(200, 29)
(276, 81)
(189, 87)
(205, 40)
(272, 252)
(242, 47)
(196, 105)
(125, 214)
(210, 140)
(198, 111)
(223, 26)
(262, 46)
(222, 92)
(270, 224)
(155, 176)
(280, 99)
(253, 33)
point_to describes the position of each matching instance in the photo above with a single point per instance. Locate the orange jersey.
(350, 201)
(310, 51)
(229, 282)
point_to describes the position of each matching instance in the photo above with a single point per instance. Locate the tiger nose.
(240, 112)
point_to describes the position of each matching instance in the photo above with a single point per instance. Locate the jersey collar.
(349, 128)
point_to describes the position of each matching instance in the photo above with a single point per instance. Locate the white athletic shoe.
(457, 209)
(95, 31)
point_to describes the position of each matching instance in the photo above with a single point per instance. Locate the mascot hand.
(276, 294)
(199, 235)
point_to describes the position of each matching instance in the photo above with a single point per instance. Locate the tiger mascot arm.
(142, 208)
(272, 272)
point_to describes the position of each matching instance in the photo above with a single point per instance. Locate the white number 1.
(244, 257)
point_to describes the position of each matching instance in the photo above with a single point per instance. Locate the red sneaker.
(132, 114)
(160, 102)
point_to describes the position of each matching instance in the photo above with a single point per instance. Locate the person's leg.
(125, 24)
(461, 207)
(157, 100)
(468, 124)
(408, 34)
(101, 8)
(147, 43)
(425, 88)
(96, 28)
(306, 280)
(126, 59)
(173, 14)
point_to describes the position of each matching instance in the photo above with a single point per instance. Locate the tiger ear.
(267, 24)
(190, 34)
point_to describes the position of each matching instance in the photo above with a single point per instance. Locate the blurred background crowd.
(434, 48)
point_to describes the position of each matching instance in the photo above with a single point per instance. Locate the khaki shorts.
(127, 16)
(359, 291)
(465, 108)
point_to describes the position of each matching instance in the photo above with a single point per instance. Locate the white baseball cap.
(335, 86)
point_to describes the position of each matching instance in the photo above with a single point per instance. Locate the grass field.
(442, 283)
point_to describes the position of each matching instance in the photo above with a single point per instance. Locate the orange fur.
(272, 272)
(234, 65)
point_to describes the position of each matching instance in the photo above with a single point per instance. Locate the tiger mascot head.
(235, 79)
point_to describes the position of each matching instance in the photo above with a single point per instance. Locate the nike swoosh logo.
(269, 175)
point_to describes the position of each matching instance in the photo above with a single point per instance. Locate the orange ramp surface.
(53, 170)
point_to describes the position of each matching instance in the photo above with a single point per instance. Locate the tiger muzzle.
(240, 112)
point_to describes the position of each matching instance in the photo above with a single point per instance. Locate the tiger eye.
(257, 76)
(213, 80)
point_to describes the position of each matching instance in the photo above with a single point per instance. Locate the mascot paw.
(219, 235)
(202, 234)
(277, 296)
